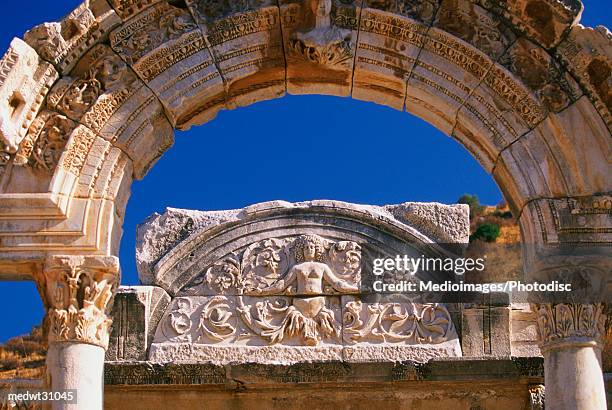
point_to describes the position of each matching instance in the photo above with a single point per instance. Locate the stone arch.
(89, 103)
(530, 104)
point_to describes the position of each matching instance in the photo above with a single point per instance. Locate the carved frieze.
(284, 292)
(423, 11)
(167, 50)
(583, 221)
(64, 43)
(387, 49)
(474, 25)
(411, 323)
(78, 294)
(279, 265)
(101, 73)
(544, 21)
(45, 142)
(127, 9)
(210, 11)
(105, 95)
(246, 43)
(541, 74)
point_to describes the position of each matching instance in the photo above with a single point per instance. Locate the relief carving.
(539, 72)
(324, 44)
(286, 291)
(78, 293)
(100, 72)
(474, 25)
(54, 40)
(396, 322)
(277, 266)
(45, 143)
(571, 324)
(209, 11)
(161, 24)
(422, 10)
(279, 318)
(307, 317)
(64, 43)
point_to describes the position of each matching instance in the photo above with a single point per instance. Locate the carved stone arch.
(110, 82)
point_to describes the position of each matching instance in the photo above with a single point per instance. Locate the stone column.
(78, 292)
(571, 340)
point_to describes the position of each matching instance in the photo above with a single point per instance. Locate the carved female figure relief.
(307, 317)
(324, 43)
(309, 271)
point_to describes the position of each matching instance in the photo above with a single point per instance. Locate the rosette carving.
(263, 263)
(217, 321)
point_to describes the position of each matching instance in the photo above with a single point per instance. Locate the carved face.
(309, 248)
(310, 251)
(321, 8)
(109, 71)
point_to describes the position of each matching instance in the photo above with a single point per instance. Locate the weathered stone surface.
(443, 223)
(126, 9)
(440, 383)
(262, 283)
(103, 94)
(245, 40)
(587, 52)
(544, 21)
(485, 329)
(136, 314)
(542, 74)
(546, 139)
(386, 51)
(320, 39)
(64, 43)
(523, 331)
(474, 25)
(159, 233)
(175, 269)
(25, 79)
(168, 52)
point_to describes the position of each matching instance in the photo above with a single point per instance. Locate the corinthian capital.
(570, 324)
(77, 292)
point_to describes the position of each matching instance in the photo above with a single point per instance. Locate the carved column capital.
(78, 292)
(570, 325)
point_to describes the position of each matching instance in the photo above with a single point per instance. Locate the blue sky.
(294, 148)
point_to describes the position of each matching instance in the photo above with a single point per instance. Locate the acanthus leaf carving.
(325, 43)
(428, 323)
(101, 73)
(570, 323)
(78, 292)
